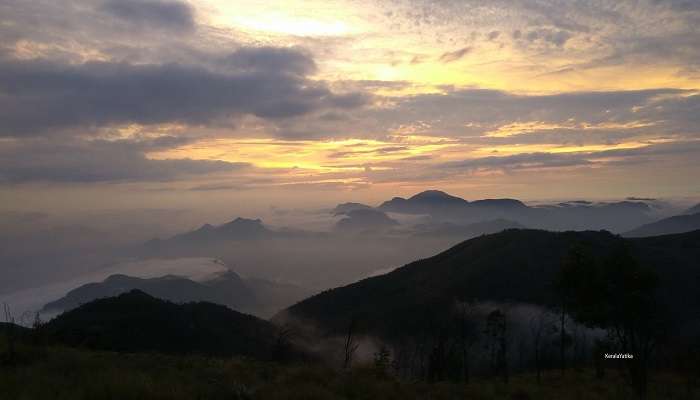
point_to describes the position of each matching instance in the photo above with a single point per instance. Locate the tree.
(282, 349)
(567, 284)
(497, 333)
(467, 333)
(541, 327)
(619, 295)
(10, 337)
(350, 344)
(382, 359)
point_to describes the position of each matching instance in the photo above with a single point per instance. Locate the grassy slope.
(64, 373)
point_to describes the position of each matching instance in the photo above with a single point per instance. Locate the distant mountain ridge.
(254, 296)
(237, 229)
(676, 224)
(227, 289)
(576, 215)
(365, 220)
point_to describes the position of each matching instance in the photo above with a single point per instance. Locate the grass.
(65, 373)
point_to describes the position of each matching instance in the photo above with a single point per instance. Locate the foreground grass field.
(63, 373)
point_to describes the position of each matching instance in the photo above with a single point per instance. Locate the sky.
(247, 105)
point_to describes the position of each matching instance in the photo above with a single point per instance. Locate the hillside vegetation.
(54, 372)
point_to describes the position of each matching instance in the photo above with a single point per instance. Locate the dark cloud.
(170, 14)
(38, 97)
(681, 5)
(452, 56)
(518, 161)
(96, 161)
(540, 160)
(272, 60)
(555, 37)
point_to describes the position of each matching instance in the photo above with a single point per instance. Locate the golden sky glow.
(410, 93)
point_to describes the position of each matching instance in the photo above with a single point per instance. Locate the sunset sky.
(131, 102)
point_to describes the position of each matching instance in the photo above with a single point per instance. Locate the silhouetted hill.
(18, 330)
(227, 289)
(513, 266)
(138, 322)
(365, 220)
(667, 226)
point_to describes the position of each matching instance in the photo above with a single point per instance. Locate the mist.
(46, 253)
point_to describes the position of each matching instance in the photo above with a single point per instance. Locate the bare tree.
(351, 344)
(10, 336)
(497, 333)
(467, 333)
(541, 326)
(283, 343)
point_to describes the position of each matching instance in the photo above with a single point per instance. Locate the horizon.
(293, 100)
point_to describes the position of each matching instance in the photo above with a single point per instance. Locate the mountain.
(575, 215)
(427, 202)
(239, 229)
(365, 220)
(676, 224)
(345, 208)
(13, 329)
(256, 296)
(516, 266)
(227, 289)
(138, 322)
(619, 216)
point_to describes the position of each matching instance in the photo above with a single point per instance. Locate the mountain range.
(576, 215)
(666, 226)
(255, 296)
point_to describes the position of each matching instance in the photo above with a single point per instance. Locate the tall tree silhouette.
(619, 295)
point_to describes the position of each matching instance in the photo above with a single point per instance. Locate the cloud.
(470, 113)
(272, 60)
(519, 161)
(171, 15)
(556, 37)
(539, 160)
(452, 56)
(97, 161)
(43, 97)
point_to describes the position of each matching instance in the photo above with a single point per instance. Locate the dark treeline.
(605, 316)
